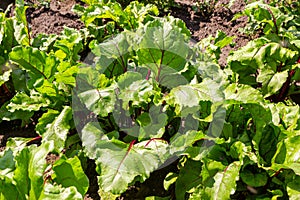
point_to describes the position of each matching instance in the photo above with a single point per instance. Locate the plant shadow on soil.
(52, 18)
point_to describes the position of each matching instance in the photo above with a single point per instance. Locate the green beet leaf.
(5, 76)
(7, 163)
(188, 178)
(163, 49)
(51, 192)
(253, 179)
(225, 182)
(221, 186)
(119, 164)
(293, 188)
(36, 167)
(68, 172)
(38, 63)
(21, 101)
(58, 129)
(100, 101)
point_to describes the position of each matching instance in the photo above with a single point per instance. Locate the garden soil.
(51, 19)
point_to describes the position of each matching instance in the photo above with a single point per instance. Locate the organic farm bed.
(218, 119)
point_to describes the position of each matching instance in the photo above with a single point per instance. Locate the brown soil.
(51, 19)
(203, 26)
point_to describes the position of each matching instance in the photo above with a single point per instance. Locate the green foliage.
(270, 62)
(150, 99)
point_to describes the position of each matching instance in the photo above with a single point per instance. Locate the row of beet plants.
(132, 93)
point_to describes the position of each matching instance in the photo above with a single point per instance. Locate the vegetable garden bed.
(170, 100)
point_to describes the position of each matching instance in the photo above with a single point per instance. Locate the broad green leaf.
(8, 41)
(254, 179)
(112, 55)
(152, 124)
(188, 178)
(45, 119)
(19, 80)
(243, 93)
(51, 192)
(21, 174)
(126, 79)
(119, 164)
(287, 116)
(164, 49)
(186, 99)
(100, 101)
(68, 172)
(7, 163)
(244, 63)
(268, 142)
(225, 182)
(37, 62)
(8, 189)
(293, 188)
(36, 167)
(210, 168)
(180, 142)
(272, 81)
(40, 66)
(70, 43)
(58, 129)
(221, 186)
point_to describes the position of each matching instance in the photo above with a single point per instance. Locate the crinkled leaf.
(100, 101)
(5, 114)
(70, 44)
(186, 98)
(288, 154)
(164, 49)
(58, 130)
(137, 93)
(21, 101)
(51, 192)
(36, 168)
(285, 115)
(66, 73)
(45, 119)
